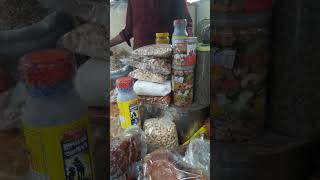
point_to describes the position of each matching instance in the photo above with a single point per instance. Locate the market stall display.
(241, 49)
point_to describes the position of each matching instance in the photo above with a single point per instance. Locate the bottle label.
(61, 152)
(129, 113)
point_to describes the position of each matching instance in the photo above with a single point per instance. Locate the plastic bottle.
(180, 29)
(55, 119)
(127, 103)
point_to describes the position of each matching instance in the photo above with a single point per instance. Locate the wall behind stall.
(118, 17)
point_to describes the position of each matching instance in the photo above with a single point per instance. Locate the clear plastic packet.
(161, 133)
(125, 150)
(155, 50)
(88, 39)
(135, 171)
(159, 101)
(145, 88)
(163, 164)
(115, 127)
(113, 95)
(156, 65)
(148, 76)
(198, 154)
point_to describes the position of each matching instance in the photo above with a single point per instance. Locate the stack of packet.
(153, 69)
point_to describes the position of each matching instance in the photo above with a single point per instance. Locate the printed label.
(178, 79)
(129, 113)
(225, 58)
(61, 152)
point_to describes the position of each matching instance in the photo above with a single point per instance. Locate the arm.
(126, 34)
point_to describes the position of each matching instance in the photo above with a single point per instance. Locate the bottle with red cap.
(127, 103)
(55, 119)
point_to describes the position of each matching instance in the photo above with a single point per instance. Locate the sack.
(148, 76)
(91, 82)
(155, 65)
(88, 39)
(155, 50)
(145, 88)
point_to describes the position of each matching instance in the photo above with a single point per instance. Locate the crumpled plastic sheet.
(198, 154)
(12, 103)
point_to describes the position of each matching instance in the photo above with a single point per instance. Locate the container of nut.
(240, 47)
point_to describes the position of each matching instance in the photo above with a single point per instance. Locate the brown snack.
(156, 65)
(155, 50)
(115, 64)
(155, 100)
(17, 14)
(14, 156)
(163, 164)
(125, 150)
(147, 76)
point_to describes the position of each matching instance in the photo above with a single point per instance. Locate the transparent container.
(162, 38)
(55, 116)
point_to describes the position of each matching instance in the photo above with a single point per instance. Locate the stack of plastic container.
(239, 68)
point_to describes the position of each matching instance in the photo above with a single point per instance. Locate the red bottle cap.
(124, 82)
(47, 67)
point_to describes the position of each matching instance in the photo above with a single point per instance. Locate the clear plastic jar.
(162, 38)
(182, 85)
(127, 103)
(184, 51)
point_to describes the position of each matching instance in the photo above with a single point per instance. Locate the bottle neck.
(48, 92)
(125, 90)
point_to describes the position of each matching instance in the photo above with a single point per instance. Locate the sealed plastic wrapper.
(165, 165)
(113, 95)
(148, 76)
(198, 154)
(155, 50)
(145, 88)
(125, 150)
(115, 127)
(89, 39)
(161, 133)
(156, 65)
(182, 86)
(157, 101)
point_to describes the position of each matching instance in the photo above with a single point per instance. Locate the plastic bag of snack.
(155, 50)
(161, 133)
(198, 154)
(125, 150)
(145, 88)
(163, 164)
(88, 39)
(156, 65)
(113, 95)
(115, 127)
(158, 101)
(148, 76)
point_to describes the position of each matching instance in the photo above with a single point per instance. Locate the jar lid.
(47, 67)
(124, 82)
(203, 48)
(179, 22)
(166, 34)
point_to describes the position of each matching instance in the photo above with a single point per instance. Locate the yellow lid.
(162, 34)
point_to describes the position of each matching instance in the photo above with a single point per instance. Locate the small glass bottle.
(55, 119)
(128, 103)
(162, 38)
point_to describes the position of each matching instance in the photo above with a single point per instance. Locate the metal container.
(202, 76)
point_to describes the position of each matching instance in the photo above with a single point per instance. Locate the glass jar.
(162, 38)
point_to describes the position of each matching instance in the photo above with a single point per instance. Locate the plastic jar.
(180, 29)
(55, 119)
(127, 103)
(184, 51)
(182, 85)
(162, 38)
